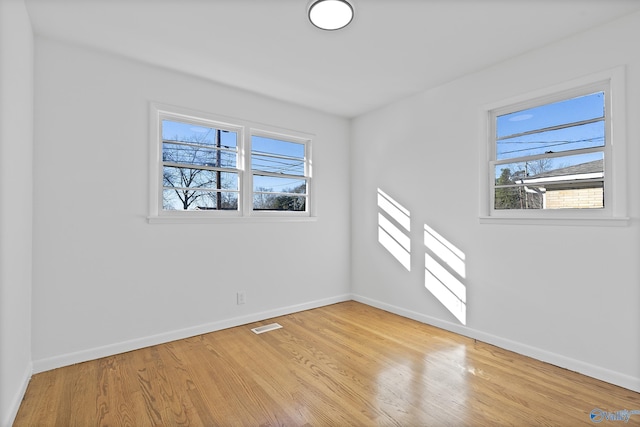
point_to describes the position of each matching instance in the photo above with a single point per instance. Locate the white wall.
(103, 283)
(16, 161)
(105, 280)
(578, 305)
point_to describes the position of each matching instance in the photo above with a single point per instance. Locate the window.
(199, 166)
(279, 174)
(552, 156)
(205, 168)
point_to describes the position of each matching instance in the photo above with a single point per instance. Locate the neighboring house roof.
(582, 171)
(582, 168)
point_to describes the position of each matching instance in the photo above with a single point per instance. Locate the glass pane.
(261, 144)
(582, 166)
(199, 178)
(174, 199)
(198, 156)
(572, 138)
(518, 198)
(198, 134)
(580, 195)
(558, 113)
(551, 183)
(277, 165)
(279, 185)
(279, 202)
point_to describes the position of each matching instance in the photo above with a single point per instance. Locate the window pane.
(579, 196)
(585, 195)
(573, 110)
(572, 138)
(270, 184)
(520, 197)
(198, 156)
(261, 144)
(199, 178)
(569, 182)
(279, 202)
(174, 199)
(566, 168)
(277, 165)
(198, 134)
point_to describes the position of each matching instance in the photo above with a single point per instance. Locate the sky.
(539, 130)
(269, 155)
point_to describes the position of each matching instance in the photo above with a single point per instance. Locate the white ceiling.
(392, 49)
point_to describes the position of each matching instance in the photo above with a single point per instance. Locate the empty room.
(319, 212)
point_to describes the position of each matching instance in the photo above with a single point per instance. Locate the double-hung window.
(279, 172)
(202, 167)
(553, 156)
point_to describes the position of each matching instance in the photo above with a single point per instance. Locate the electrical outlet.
(242, 297)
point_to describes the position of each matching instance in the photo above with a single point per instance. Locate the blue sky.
(573, 110)
(289, 160)
(511, 144)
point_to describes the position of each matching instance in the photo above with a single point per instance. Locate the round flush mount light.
(330, 14)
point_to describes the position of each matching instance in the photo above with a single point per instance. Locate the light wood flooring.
(346, 364)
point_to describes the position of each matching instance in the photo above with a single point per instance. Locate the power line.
(548, 145)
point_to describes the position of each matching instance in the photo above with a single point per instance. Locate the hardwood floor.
(340, 365)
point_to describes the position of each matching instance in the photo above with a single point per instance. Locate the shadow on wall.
(444, 263)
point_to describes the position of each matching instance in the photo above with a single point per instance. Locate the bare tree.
(538, 166)
(523, 197)
(288, 200)
(185, 173)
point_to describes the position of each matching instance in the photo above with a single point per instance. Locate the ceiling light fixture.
(330, 14)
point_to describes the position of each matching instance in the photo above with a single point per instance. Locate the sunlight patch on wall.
(394, 209)
(444, 284)
(444, 250)
(394, 223)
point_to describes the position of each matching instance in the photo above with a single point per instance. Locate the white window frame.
(614, 212)
(244, 129)
(267, 133)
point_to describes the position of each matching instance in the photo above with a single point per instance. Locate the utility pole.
(526, 174)
(218, 173)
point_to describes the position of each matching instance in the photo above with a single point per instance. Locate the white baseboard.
(17, 399)
(122, 347)
(600, 373)
(604, 374)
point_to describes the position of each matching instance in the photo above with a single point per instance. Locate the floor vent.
(266, 328)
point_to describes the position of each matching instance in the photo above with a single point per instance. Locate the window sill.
(564, 221)
(228, 219)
